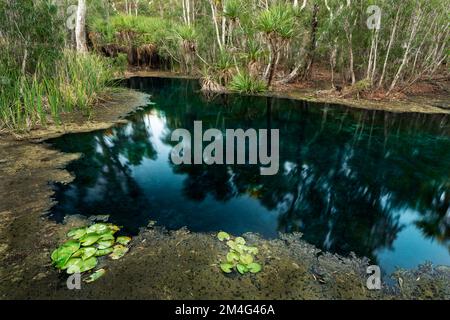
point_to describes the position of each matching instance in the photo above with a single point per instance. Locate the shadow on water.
(369, 182)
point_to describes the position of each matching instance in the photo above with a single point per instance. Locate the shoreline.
(413, 104)
(28, 167)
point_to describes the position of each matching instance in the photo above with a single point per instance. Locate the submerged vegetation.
(80, 254)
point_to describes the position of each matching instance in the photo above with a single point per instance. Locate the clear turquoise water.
(373, 183)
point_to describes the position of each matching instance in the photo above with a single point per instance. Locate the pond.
(369, 182)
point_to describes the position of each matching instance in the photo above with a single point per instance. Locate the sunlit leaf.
(226, 267)
(123, 240)
(104, 252)
(88, 252)
(98, 228)
(101, 245)
(118, 252)
(95, 276)
(232, 257)
(246, 259)
(242, 269)
(89, 239)
(77, 233)
(254, 267)
(222, 236)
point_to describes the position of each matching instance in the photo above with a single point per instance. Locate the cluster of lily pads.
(239, 257)
(80, 254)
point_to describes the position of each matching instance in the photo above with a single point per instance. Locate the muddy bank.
(160, 264)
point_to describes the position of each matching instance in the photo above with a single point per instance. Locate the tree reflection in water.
(346, 176)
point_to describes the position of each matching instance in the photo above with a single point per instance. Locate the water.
(373, 183)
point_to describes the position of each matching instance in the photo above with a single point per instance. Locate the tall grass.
(26, 101)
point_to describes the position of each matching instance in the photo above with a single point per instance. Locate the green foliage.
(244, 83)
(240, 257)
(278, 20)
(87, 244)
(186, 33)
(75, 84)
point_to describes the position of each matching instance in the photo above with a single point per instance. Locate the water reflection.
(349, 180)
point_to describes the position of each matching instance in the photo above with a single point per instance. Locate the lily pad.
(242, 269)
(118, 252)
(254, 267)
(60, 257)
(105, 244)
(73, 265)
(95, 276)
(99, 228)
(123, 240)
(89, 239)
(246, 259)
(222, 236)
(88, 264)
(226, 267)
(232, 244)
(232, 257)
(77, 233)
(88, 252)
(113, 228)
(107, 236)
(104, 252)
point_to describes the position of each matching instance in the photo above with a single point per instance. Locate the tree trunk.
(80, 29)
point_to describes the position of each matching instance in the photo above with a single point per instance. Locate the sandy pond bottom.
(165, 264)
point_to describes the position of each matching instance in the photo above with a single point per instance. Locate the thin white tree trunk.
(415, 23)
(80, 29)
(391, 41)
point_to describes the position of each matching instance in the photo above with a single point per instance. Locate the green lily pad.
(105, 244)
(226, 267)
(242, 269)
(104, 252)
(72, 245)
(95, 276)
(240, 240)
(60, 257)
(254, 267)
(89, 239)
(78, 265)
(77, 233)
(88, 252)
(246, 258)
(123, 240)
(98, 228)
(113, 228)
(231, 244)
(118, 252)
(107, 236)
(232, 257)
(222, 236)
(73, 265)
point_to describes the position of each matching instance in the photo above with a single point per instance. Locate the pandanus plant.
(277, 25)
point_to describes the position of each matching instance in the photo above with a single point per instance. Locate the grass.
(26, 101)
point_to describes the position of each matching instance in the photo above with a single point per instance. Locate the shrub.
(244, 83)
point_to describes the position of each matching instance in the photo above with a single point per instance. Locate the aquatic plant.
(80, 254)
(240, 257)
